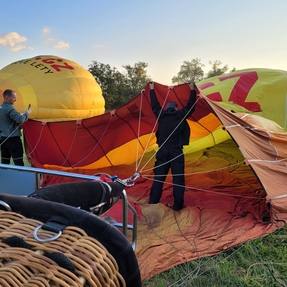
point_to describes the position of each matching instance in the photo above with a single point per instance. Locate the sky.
(162, 33)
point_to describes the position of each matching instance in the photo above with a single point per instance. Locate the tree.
(119, 87)
(111, 81)
(216, 69)
(190, 71)
(136, 76)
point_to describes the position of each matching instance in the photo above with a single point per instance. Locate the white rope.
(139, 128)
(26, 156)
(197, 172)
(179, 155)
(170, 134)
(6, 138)
(279, 196)
(233, 126)
(201, 189)
(266, 160)
(38, 140)
(153, 129)
(72, 144)
(96, 145)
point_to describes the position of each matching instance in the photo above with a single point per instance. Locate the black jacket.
(173, 129)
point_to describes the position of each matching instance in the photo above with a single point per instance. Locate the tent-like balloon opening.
(235, 173)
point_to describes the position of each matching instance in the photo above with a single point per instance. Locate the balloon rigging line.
(207, 262)
(139, 128)
(202, 189)
(197, 172)
(158, 235)
(26, 156)
(170, 134)
(9, 136)
(96, 145)
(38, 140)
(153, 129)
(195, 273)
(205, 128)
(72, 144)
(174, 158)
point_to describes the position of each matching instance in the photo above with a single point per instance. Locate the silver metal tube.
(48, 171)
(125, 212)
(125, 204)
(135, 226)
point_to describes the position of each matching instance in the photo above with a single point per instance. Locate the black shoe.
(153, 202)
(177, 208)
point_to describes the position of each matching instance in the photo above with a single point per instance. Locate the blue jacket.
(10, 119)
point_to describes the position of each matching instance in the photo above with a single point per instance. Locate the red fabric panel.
(78, 143)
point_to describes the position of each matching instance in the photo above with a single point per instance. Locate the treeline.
(119, 87)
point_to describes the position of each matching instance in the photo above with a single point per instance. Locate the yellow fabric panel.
(269, 91)
(216, 137)
(211, 122)
(126, 154)
(204, 126)
(56, 88)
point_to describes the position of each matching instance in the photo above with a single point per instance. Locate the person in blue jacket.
(10, 129)
(172, 134)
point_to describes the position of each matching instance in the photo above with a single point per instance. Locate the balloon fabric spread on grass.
(235, 165)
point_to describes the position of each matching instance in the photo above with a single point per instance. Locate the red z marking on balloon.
(240, 91)
(55, 66)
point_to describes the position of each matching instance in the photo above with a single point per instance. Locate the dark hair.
(8, 93)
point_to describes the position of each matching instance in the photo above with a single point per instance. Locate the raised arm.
(190, 106)
(19, 118)
(153, 99)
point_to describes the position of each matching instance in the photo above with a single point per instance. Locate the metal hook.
(5, 205)
(36, 236)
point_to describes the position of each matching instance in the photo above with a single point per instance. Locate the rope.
(265, 160)
(34, 148)
(72, 144)
(153, 129)
(209, 131)
(139, 127)
(195, 273)
(170, 134)
(197, 172)
(97, 143)
(202, 189)
(9, 136)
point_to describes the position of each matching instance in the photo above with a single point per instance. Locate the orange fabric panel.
(265, 149)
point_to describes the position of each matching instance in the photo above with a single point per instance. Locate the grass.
(261, 262)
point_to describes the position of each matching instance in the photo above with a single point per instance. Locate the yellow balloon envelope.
(56, 88)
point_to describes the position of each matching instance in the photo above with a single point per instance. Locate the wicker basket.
(30, 265)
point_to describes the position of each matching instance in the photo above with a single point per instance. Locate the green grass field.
(261, 262)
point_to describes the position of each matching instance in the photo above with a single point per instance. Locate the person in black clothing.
(172, 134)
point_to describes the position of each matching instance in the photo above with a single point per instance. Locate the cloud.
(99, 46)
(46, 30)
(13, 41)
(51, 41)
(61, 45)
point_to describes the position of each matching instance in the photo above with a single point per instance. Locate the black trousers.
(12, 147)
(169, 158)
